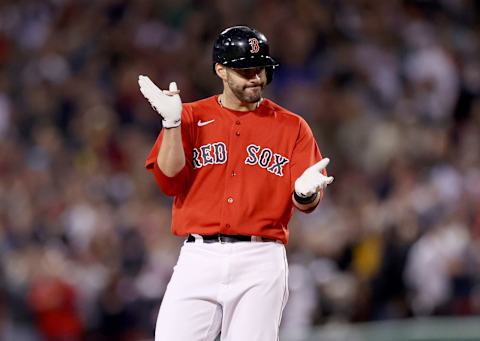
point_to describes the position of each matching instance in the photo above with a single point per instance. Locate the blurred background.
(390, 88)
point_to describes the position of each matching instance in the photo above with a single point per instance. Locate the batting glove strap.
(305, 200)
(167, 124)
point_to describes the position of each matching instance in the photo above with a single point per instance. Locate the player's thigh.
(188, 320)
(189, 310)
(256, 312)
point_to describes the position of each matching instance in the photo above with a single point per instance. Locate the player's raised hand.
(312, 180)
(166, 102)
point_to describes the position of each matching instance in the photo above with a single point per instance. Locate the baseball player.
(237, 164)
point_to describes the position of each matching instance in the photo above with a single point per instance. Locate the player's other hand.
(312, 180)
(166, 102)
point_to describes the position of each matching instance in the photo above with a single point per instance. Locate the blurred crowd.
(390, 88)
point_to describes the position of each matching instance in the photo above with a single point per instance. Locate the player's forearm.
(171, 156)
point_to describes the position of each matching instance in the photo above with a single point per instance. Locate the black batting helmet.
(242, 47)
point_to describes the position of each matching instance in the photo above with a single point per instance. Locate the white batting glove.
(312, 180)
(165, 102)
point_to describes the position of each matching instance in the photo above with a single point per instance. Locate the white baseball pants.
(236, 289)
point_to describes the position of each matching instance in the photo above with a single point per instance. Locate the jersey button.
(237, 133)
(233, 173)
(227, 226)
(237, 123)
(230, 200)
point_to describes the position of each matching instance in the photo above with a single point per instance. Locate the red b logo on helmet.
(255, 46)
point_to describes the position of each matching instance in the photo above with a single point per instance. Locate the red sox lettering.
(216, 153)
(265, 158)
(209, 154)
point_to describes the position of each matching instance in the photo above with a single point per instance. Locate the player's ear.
(221, 71)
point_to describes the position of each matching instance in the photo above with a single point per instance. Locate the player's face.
(247, 84)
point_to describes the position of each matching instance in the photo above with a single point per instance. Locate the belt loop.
(257, 239)
(198, 238)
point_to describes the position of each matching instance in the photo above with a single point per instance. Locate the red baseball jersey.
(240, 169)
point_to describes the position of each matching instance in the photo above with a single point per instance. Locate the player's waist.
(226, 238)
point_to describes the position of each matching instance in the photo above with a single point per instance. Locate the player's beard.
(247, 93)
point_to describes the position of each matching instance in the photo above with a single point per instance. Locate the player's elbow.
(170, 185)
(171, 170)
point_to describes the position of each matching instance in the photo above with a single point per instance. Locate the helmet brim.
(251, 62)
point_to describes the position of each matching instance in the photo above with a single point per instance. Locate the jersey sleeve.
(179, 183)
(305, 153)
